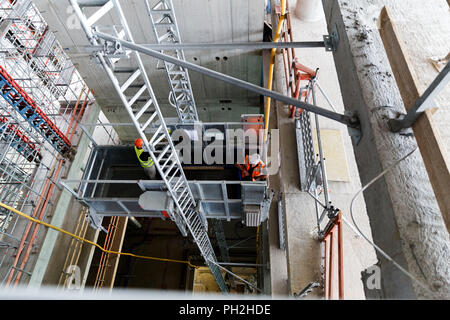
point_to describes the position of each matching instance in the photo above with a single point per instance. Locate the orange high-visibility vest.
(257, 171)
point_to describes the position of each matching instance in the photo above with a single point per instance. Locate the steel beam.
(345, 119)
(423, 102)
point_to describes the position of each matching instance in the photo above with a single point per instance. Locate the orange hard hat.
(139, 143)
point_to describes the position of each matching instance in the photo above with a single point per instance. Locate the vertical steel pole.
(340, 256)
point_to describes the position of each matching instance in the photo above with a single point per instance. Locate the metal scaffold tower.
(145, 115)
(27, 108)
(165, 28)
(39, 88)
(20, 141)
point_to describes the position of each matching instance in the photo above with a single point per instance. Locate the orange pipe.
(103, 256)
(297, 93)
(105, 266)
(25, 234)
(79, 115)
(36, 226)
(74, 111)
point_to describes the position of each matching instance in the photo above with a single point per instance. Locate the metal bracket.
(397, 125)
(307, 290)
(281, 228)
(423, 103)
(332, 41)
(354, 131)
(95, 221)
(266, 206)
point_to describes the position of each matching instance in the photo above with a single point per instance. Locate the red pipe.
(330, 271)
(24, 236)
(106, 244)
(36, 226)
(297, 93)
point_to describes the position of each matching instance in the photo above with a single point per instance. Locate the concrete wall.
(404, 216)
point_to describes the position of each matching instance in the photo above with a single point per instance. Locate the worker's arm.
(242, 168)
(259, 178)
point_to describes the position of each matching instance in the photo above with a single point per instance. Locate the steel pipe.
(423, 102)
(345, 119)
(225, 46)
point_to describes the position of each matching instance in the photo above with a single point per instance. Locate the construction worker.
(253, 168)
(148, 164)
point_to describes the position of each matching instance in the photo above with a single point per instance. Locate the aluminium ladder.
(159, 144)
(165, 28)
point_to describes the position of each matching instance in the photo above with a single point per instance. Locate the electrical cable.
(367, 239)
(236, 276)
(90, 242)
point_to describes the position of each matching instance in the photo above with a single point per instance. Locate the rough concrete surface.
(405, 218)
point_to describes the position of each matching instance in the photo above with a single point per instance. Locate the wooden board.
(412, 84)
(335, 161)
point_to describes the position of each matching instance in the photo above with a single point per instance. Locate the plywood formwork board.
(413, 72)
(334, 154)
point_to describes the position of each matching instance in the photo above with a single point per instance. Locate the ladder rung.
(100, 13)
(178, 184)
(144, 108)
(173, 176)
(137, 95)
(160, 128)
(156, 9)
(164, 36)
(187, 203)
(130, 80)
(184, 203)
(163, 153)
(149, 120)
(189, 215)
(121, 34)
(162, 136)
(167, 161)
(182, 196)
(164, 24)
(166, 174)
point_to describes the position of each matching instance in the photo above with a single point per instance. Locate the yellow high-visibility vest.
(144, 164)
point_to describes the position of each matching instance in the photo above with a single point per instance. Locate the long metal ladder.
(165, 28)
(159, 144)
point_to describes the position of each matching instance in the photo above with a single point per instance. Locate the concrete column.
(404, 214)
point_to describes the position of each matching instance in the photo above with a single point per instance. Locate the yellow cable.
(271, 67)
(90, 242)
